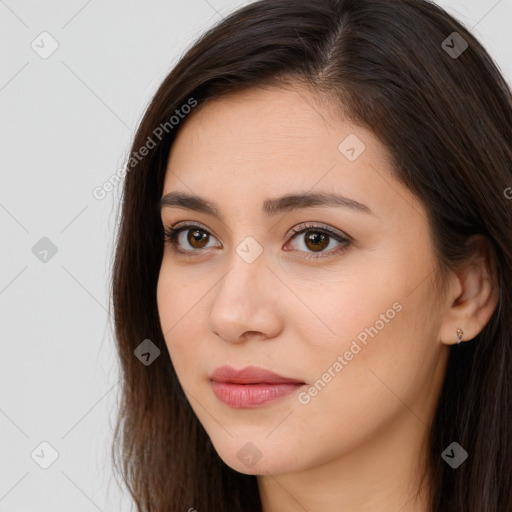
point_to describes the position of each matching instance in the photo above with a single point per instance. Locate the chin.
(256, 458)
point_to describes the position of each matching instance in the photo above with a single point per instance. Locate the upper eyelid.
(185, 224)
(292, 232)
(312, 225)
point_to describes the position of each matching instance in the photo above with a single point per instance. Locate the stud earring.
(460, 332)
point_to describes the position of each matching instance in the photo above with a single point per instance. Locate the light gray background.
(66, 125)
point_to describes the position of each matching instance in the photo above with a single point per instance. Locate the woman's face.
(351, 314)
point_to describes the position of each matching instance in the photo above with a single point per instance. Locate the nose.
(245, 304)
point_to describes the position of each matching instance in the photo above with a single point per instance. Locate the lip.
(251, 386)
(250, 375)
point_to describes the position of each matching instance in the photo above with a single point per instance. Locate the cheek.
(167, 301)
(381, 346)
(179, 310)
(377, 296)
(178, 297)
(368, 322)
(337, 310)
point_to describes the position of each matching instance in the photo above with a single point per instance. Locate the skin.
(359, 444)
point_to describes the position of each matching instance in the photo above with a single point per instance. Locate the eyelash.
(171, 234)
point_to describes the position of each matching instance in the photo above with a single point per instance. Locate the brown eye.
(316, 241)
(197, 238)
(188, 239)
(313, 240)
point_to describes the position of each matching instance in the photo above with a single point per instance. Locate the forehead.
(266, 142)
(256, 120)
(269, 131)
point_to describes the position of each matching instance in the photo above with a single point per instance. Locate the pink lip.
(251, 386)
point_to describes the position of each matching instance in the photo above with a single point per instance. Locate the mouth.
(251, 386)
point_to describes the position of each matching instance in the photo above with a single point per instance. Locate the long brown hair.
(446, 120)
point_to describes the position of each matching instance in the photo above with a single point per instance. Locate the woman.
(312, 281)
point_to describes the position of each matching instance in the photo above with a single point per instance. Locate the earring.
(460, 332)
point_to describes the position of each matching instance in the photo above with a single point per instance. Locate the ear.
(473, 293)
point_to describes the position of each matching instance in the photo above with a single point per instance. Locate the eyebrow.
(270, 207)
